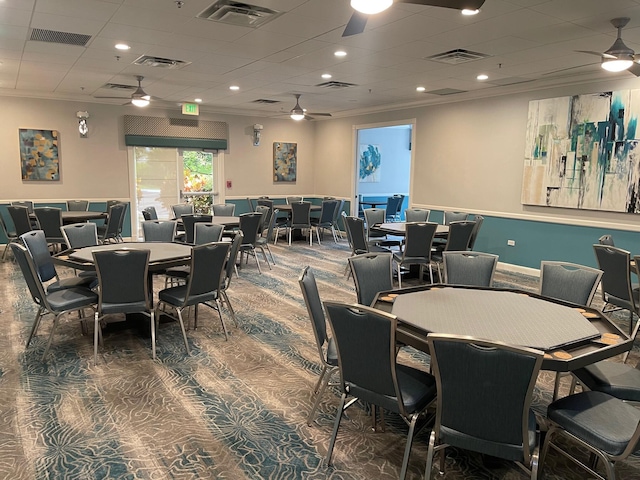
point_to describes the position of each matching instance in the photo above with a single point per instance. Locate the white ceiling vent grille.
(458, 56)
(236, 13)
(159, 62)
(334, 84)
(53, 36)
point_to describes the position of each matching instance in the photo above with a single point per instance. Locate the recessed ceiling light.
(198, 100)
(234, 87)
(326, 76)
(468, 11)
(482, 76)
(420, 89)
(340, 53)
(122, 46)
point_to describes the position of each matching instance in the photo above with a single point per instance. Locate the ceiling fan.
(364, 8)
(139, 98)
(618, 57)
(299, 113)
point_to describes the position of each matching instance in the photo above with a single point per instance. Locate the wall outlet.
(511, 243)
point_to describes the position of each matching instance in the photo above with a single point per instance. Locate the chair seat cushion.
(605, 422)
(71, 282)
(418, 388)
(617, 379)
(71, 298)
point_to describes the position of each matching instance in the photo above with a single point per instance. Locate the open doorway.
(383, 164)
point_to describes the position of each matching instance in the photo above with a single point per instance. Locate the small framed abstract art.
(39, 158)
(370, 160)
(285, 162)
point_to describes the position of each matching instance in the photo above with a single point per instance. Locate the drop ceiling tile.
(14, 16)
(48, 48)
(199, 27)
(11, 32)
(66, 24)
(156, 19)
(20, 4)
(296, 25)
(588, 8)
(85, 9)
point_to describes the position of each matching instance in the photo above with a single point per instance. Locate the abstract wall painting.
(582, 152)
(285, 162)
(370, 160)
(39, 159)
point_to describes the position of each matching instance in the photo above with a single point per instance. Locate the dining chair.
(569, 282)
(300, 219)
(336, 216)
(10, 235)
(394, 204)
(479, 219)
(375, 216)
(224, 209)
(365, 340)
(264, 202)
(457, 241)
(80, 235)
(291, 200)
(618, 293)
(229, 268)
(262, 241)
(484, 397)
(249, 226)
(56, 303)
(189, 221)
(36, 244)
(182, 209)
(607, 427)
(123, 278)
(372, 273)
(20, 218)
(454, 217)
(150, 213)
(357, 240)
(417, 248)
(416, 215)
(469, 268)
(326, 346)
(50, 221)
(202, 287)
(266, 216)
(28, 204)
(325, 220)
(109, 232)
(159, 230)
(77, 205)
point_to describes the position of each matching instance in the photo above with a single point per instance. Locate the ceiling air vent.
(159, 62)
(118, 86)
(458, 56)
(265, 101)
(334, 84)
(446, 91)
(236, 13)
(53, 36)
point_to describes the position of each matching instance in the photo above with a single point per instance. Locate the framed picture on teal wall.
(285, 162)
(370, 159)
(39, 158)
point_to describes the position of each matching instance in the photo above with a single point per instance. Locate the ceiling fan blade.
(356, 24)
(328, 114)
(456, 4)
(115, 98)
(572, 68)
(599, 54)
(634, 69)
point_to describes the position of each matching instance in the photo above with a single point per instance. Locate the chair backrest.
(615, 264)
(454, 217)
(300, 214)
(265, 202)
(372, 273)
(80, 235)
(150, 213)
(159, 230)
(417, 215)
(224, 209)
(207, 233)
(189, 221)
(207, 271)
(418, 240)
(569, 282)
(24, 203)
(606, 240)
(338, 211)
(124, 280)
(182, 209)
(111, 203)
(77, 205)
(365, 341)
(20, 218)
(231, 260)
(374, 216)
(266, 215)
(476, 229)
(50, 221)
(484, 394)
(328, 212)
(29, 272)
(291, 200)
(459, 235)
(311, 297)
(36, 244)
(121, 222)
(469, 268)
(356, 235)
(271, 225)
(7, 233)
(394, 203)
(250, 227)
(115, 217)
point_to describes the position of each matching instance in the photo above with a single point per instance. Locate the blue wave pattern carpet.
(234, 409)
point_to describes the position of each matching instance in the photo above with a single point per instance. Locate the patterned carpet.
(232, 410)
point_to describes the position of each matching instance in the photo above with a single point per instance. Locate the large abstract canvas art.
(581, 152)
(39, 158)
(285, 162)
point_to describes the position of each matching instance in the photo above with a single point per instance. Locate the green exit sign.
(190, 109)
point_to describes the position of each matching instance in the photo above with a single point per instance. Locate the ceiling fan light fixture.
(140, 102)
(371, 7)
(616, 64)
(470, 11)
(297, 116)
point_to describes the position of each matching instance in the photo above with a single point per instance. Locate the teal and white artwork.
(581, 152)
(370, 159)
